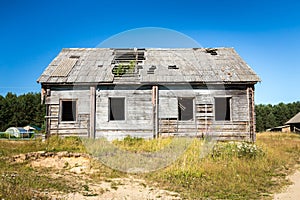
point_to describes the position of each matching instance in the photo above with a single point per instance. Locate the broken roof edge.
(246, 64)
(147, 83)
(144, 48)
(82, 49)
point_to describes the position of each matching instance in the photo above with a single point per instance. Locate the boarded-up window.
(222, 109)
(168, 107)
(185, 109)
(68, 110)
(116, 108)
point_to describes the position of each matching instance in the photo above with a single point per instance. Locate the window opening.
(116, 109)
(185, 109)
(222, 109)
(68, 112)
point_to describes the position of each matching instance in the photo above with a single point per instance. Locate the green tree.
(268, 116)
(21, 110)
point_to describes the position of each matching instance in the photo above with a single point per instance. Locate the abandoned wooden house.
(149, 93)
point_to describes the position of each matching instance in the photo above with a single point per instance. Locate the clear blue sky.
(265, 33)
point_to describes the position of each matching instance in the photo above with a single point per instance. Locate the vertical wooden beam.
(155, 111)
(47, 122)
(92, 133)
(44, 100)
(251, 105)
(253, 115)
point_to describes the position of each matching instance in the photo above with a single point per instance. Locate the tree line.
(268, 116)
(19, 111)
(22, 110)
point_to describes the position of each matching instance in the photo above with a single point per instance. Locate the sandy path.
(293, 191)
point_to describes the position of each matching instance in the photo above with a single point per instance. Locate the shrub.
(237, 149)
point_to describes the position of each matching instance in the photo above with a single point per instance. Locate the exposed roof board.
(189, 65)
(64, 67)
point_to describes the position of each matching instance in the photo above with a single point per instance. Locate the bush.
(237, 149)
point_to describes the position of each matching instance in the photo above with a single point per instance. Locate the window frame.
(230, 108)
(61, 110)
(193, 109)
(109, 108)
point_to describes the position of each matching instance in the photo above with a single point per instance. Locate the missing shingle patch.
(73, 56)
(151, 69)
(212, 51)
(172, 67)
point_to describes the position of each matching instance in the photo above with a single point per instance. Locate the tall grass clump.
(230, 150)
(142, 145)
(56, 143)
(232, 170)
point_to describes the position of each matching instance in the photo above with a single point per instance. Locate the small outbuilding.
(294, 123)
(284, 129)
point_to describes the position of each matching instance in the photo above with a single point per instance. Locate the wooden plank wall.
(81, 126)
(138, 113)
(203, 123)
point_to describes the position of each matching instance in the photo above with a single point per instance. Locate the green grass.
(20, 181)
(230, 171)
(138, 145)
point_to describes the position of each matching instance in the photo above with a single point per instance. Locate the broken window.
(68, 110)
(116, 109)
(185, 109)
(222, 109)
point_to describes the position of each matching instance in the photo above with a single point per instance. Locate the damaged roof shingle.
(191, 64)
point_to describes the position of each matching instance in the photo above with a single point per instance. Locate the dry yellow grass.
(232, 175)
(231, 171)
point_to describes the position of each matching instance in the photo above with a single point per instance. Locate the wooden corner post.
(155, 111)
(250, 92)
(92, 131)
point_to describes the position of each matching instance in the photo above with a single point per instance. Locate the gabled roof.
(171, 65)
(294, 120)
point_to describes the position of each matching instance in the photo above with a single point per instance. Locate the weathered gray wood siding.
(204, 122)
(80, 127)
(138, 113)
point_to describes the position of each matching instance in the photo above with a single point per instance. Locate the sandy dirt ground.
(75, 167)
(292, 192)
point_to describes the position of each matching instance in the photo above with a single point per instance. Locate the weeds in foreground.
(232, 170)
(20, 181)
(141, 145)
